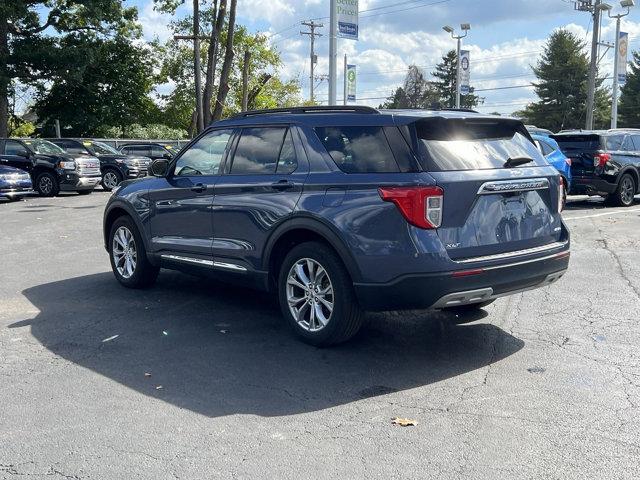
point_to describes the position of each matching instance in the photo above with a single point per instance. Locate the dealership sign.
(623, 48)
(351, 83)
(465, 72)
(347, 17)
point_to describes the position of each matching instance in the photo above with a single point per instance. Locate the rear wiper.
(517, 161)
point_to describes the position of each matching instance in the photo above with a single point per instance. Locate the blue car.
(340, 210)
(14, 183)
(551, 151)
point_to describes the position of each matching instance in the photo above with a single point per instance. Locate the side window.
(258, 151)
(204, 156)
(546, 148)
(287, 163)
(126, 150)
(12, 147)
(158, 151)
(614, 142)
(358, 149)
(627, 144)
(73, 147)
(636, 142)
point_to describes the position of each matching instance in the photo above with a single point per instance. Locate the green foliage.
(152, 131)
(110, 85)
(445, 83)
(562, 75)
(629, 108)
(20, 128)
(416, 92)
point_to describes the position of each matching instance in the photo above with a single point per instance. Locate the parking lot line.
(604, 214)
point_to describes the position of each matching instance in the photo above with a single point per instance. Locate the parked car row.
(601, 162)
(66, 164)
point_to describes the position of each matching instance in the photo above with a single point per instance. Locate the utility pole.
(245, 80)
(314, 58)
(345, 80)
(594, 7)
(333, 55)
(196, 37)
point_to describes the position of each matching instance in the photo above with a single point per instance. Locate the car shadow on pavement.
(219, 350)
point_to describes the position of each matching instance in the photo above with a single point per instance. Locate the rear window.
(473, 144)
(578, 142)
(359, 149)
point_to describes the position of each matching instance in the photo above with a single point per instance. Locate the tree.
(111, 87)
(629, 109)
(445, 83)
(155, 131)
(562, 73)
(416, 92)
(29, 33)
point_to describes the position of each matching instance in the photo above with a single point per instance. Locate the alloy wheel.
(310, 294)
(627, 190)
(125, 255)
(45, 185)
(110, 180)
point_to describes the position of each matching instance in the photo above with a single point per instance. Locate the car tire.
(110, 179)
(627, 188)
(47, 185)
(128, 255)
(312, 277)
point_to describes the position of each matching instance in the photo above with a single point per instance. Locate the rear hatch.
(580, 148)
(500, 195)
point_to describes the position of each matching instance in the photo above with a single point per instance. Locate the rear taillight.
(560, 194)
(600, 159)
(420, 206)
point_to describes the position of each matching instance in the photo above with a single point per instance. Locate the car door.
(181, 219)
(263, 181)
(15, 154)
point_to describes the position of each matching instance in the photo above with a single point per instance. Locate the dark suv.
(114, 166)
(152, 150)
(605, 163)
(339, 210)
(50, 167)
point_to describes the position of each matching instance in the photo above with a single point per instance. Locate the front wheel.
(47, 185)
(111, 179)
(316, 295)
(128, 255)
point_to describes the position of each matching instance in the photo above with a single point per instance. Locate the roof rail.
(452, 109)
(311, 109)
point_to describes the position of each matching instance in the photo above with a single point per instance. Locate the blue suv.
(339, 210)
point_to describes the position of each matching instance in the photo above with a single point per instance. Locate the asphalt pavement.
(193, 379)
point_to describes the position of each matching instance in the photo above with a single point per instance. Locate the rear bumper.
(591, 185)
(479, 284)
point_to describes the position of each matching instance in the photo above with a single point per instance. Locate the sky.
(506, 38)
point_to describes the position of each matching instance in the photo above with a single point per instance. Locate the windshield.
(457, 144)
(43, 147)
(100, 148)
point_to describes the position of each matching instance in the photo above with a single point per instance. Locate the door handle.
(282, 185)
(199, 187)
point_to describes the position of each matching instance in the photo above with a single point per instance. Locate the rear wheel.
(47, 185)
(623, 196)
(128, 256)
(110, 179)
(316, 295)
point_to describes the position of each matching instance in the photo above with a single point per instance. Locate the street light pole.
(614, 94)
(465, 28)
(593, 66)
(333, 54)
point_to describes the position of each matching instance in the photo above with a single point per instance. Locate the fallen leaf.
(159, 387)
(404, 422)
(164, 332)
(147, 374)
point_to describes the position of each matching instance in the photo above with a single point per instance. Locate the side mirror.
(23, 154)
(167, 156)
(159, 167)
